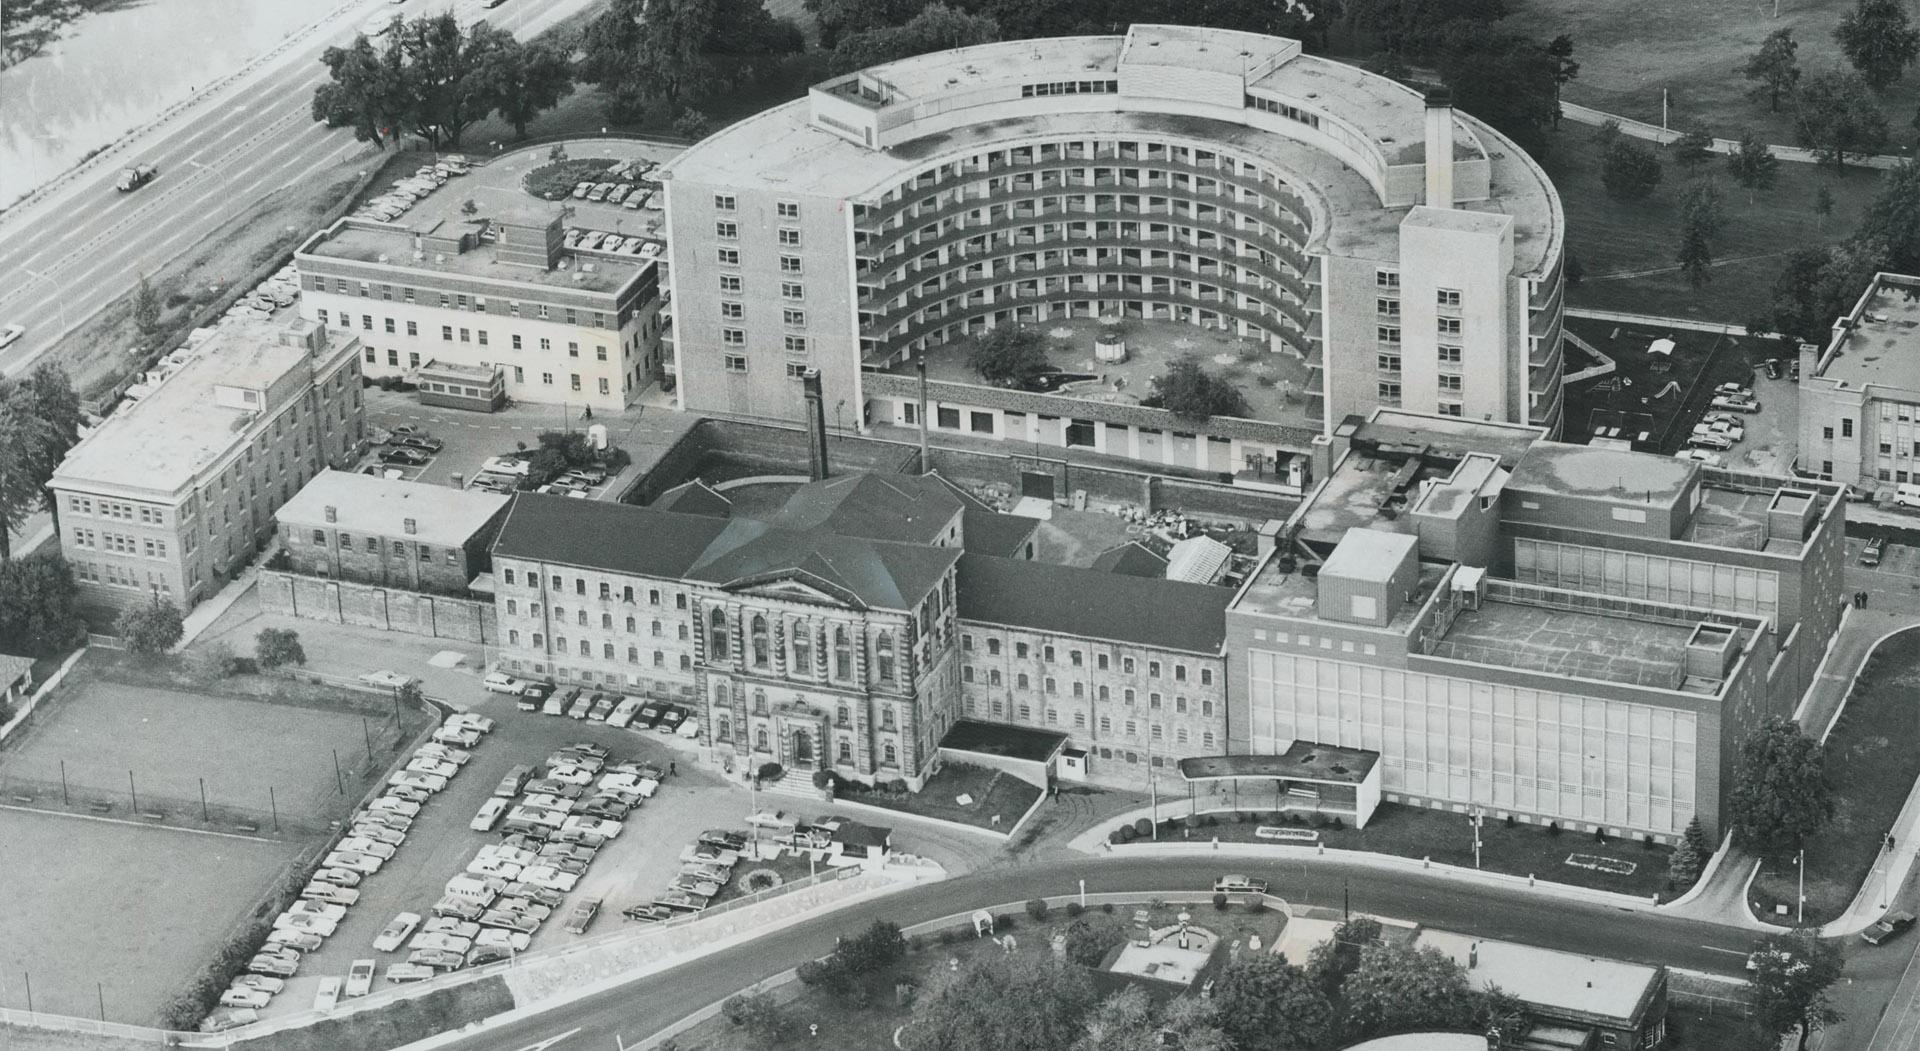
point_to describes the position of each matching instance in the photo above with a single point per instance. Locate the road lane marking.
(550, 1041)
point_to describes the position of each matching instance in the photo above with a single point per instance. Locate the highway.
(66, 256)
(637, 1009)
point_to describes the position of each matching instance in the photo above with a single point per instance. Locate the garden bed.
(554, 182)
(1620, 865)
(1872, 767)
(996, 800)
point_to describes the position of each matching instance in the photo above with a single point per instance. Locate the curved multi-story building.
(1389, 249)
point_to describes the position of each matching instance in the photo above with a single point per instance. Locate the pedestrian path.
(1640, 129)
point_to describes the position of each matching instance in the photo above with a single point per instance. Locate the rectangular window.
(792, 290)
(726, 228)
(732, 311)
(736, 362)
(1449, 384)
(788, 209)
(794, 318)
(729, 257)
(723, 202)
(1386, 278)
(1846, 428)
(1387, 307)
(730, 283)
(1389, 393)
(796, 344)
(733, 337)
(789, 237)
(1449, 355)
(1449, 297)
(798, 370)
(1387, 334)
(1449, 327)
(789, 264)
(1389, 362)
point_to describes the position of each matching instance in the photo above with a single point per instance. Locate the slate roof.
(988, 532)
(594, 534)
(695, 498)
(1164, 614)
(903, 508)
(1132, 559)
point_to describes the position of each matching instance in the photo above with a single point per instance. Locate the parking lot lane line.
(550, 1041)
(138, 824)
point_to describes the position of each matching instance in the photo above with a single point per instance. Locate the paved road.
(64, 258)
(643, 1007)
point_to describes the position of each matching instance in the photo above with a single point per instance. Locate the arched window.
(717, 634)
(759, 702)
(762, 655)
(606, 622)
(892, 757)
(802, 648)
(842, 654)
(841, 718)
(723, 730)
(883, 655)
(720, 696)
(846, 752)
(632, 625)
(760, 740)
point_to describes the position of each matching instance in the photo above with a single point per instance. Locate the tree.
(1265, 1002)
(25, 464)
(1753, 164)
(936, 28)
(1689, 855)
(366, 90)
(1818, 285)
(526, 80)
(998, 1002)
(1402, 989)
(1509, 81)
(1774, 67)
(446, 79)
(39, 607)
(668, 55)
(1791, 974)
(1629, 170)
(1692, 147)
(274, 647)
(1893, 219)
(1699, 223)
(1188, 390)
(1332, 960)
(1127, 1021)
(839, 18)
(1008, 355)
(693, 125)
(1412, 26)
(150, 629)
(760, 1015)
(1823, 202)
(1780, 791)
(1835, 115)
(1879, 40)
(1565, 69)
(1088, 944)
(146, 310)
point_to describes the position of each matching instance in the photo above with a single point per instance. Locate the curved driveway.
(646, 1005)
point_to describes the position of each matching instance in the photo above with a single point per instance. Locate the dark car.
(604, 807)
(670, 719)
(419, 441)
(1890, 924)
(408, 457)
(1773, 368)
(1870, 555)
(724, 839)
(648, 913)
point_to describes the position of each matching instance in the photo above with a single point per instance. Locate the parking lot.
(469, 439)
(633, 868)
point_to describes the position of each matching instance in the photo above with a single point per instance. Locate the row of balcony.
(886, 346)
(1055, 233)
(1264, 209)
(908, 282)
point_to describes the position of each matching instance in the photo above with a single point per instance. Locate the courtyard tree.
(765, 1021)
(1689, 855)
(662, 57)
(26, 440)
(151, 628)
(274, 647)
(1752, 164)
(1001, 1002)
(447, 79)
(39, 608)
(526, 80)
(1128, 1021)
(1332, 960)
(1774, 67)
(1265, 1002)
(1399, 989)
(1780, 791)
(1893, 219)
(1629, 169)
(1008, 355)
(1835, 116)
(1190, 391)
(1791, 974)
(1879, 40)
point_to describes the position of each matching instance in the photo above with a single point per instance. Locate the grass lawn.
(1627, 248)
(789, 866)
(846, 1025)
(992, 795)
(396, 1024)
(1695, 1028)
(1629, 50)
(1872, 764)
(1522, 850)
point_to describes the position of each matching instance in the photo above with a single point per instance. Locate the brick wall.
(367, 606)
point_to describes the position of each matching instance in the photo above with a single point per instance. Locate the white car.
(395, 806)
(410, 793)
(469, 721)
(500, 867)
(413, 779)
(305, 924)
(623, 712)
(253, 998)
(453, 925)
(337, 877)
(458, 736)
(440, 941)
(495, 937)
(323, 910)
(456, 756)
(331, 893)
(1701, 456)
(505, 852)
(384, 818)
(578, 776)
(359, 978)
(288, 938)
(550, 878)
(395, 933)
(1710, 441)
(546, 802)
(489, 814)
(365, 864)
(597, 826)
(362, 845)
(263, 982)
(501, 682)
(427, 764)
(645, 787)
(379, 833)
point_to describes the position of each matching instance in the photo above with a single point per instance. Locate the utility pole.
(1800, 913)
(1476, 820)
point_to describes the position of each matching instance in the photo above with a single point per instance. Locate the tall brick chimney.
(817, 466)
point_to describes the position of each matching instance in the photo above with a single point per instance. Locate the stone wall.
(368, 606)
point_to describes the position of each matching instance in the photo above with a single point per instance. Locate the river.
(114, 71)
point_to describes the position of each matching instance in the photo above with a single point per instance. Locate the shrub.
(824, 779)
(1142, 827)
(1088, 944)
(1210, 820)
(1037, 908)
(1005, 922)
(1510, 821)
(1219, 901)
(1335, 822)
(1646, 841)
(1599, 835)
(1106, 907)
(274, 647)
(949, 936)
(759, 880)
(1117, 836)
(1074, 908)
(770, 771)
(1553, 828)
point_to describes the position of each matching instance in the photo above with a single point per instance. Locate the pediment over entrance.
(798, 588)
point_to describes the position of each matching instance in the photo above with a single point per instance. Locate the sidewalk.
(1642, 130)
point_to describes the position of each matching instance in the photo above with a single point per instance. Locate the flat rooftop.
(1883, 346)
(1548, 977)
(496, 189)
(1277, 592)
(1729, 517)
(1450, 437)
(1597, 472)
(162, 441)
(1359, 494)
(1014, 742)
(1302, 761)
(380, 507)
(1606, 643)
(1369, 554)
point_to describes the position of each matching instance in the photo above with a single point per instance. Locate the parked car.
(649, 715)
(650, 913)
(288, 938)
(534, 696)
(680, 902)
(470, 721)
(306, 924)
(359, 978)
(457, 736)
(515, 780)
(420, 442)
(437, 959)
(509, 921)
(603, 705)
(538, 895)
(518, 941)
(379, 833)
(485, 954)
(1239, 885)
(401, 973)
(580, 836)
(670, 719)
(582, 915)
(427, 764)
(396, 932)
(501, 682)
(489, 814)
(550, 878)
(1887, 927)
(571, 775)
(403, 457)
(366, 864)
(1870, 555)
(410, 793)
(581, 706)
(547, 786)
(392, 819)
(599, 753)
(1772, 366)
(320, 909)
(278, 966)
(449, 925)
(1710, 441)
(607, 807)
(331, 893)
(337, 877)
(601, 826)
(362, 845)
(441, 941)
(623, 713)
(553, 803)
(524, 907)
(556, 704)
(493, 867)
(458, 907)
(724, 839)
(444, 753)
(1711, 459)
(327, 996)
(1735, 403)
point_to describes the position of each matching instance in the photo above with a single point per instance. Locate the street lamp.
(1476, 820)
(1800, 913)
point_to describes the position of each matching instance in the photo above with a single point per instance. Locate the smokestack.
(817, 467)
(1439, 148)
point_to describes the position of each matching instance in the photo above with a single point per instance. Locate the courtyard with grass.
(1871, 765)
(1624, 866)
